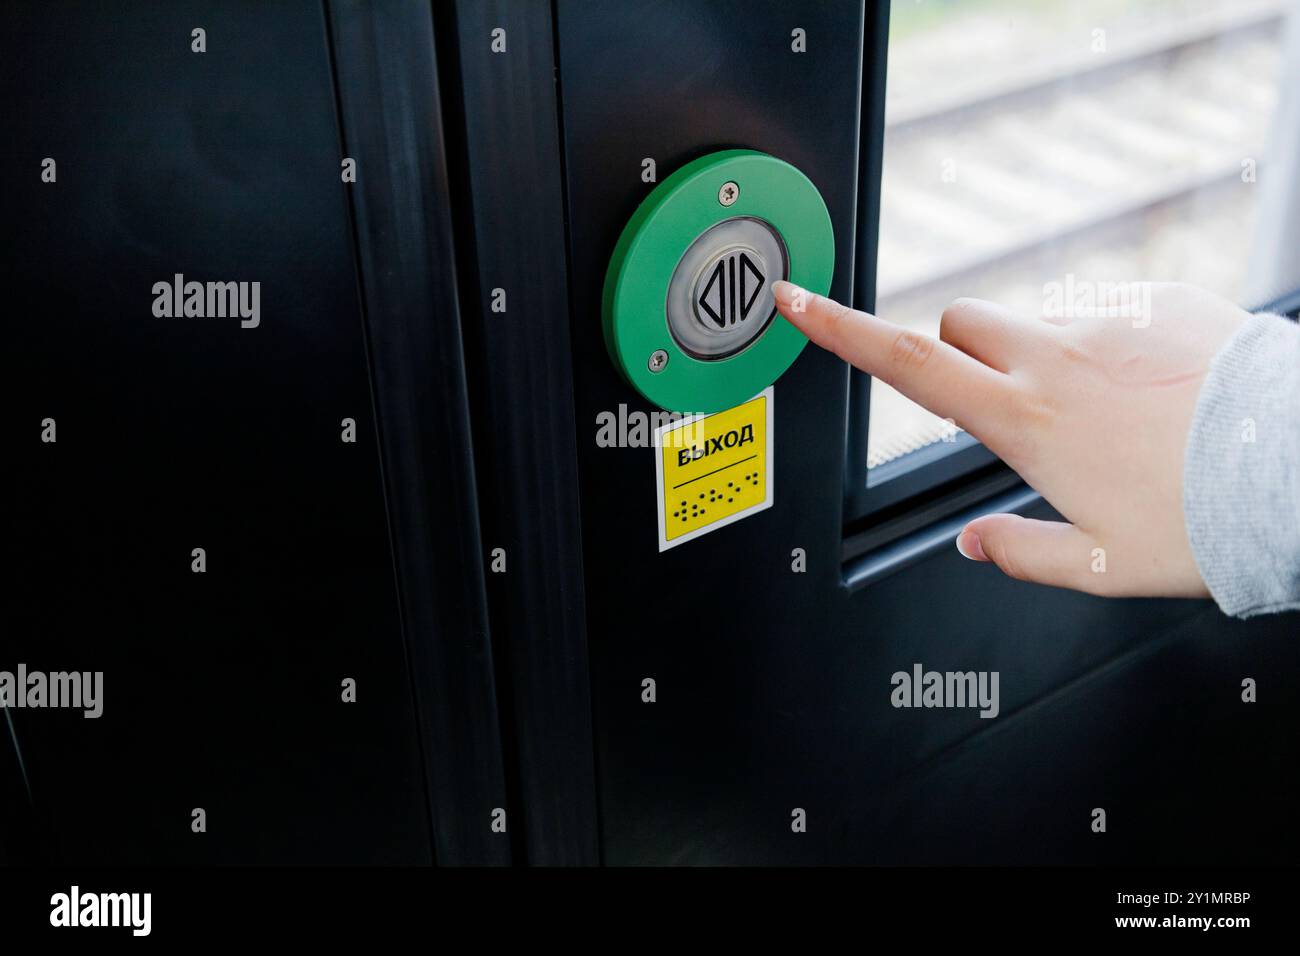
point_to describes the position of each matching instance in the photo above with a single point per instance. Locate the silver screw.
(658, 359)
(728, 194)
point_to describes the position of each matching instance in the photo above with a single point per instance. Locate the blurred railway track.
(1113, 163)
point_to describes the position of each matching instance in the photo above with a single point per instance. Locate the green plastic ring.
(636, 284)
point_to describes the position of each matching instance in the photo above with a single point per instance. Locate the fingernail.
(968, 543)
(786, 291)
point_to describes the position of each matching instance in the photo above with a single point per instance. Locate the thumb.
(1044, 552)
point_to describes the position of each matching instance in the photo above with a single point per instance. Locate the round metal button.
(720, 231)
(720, 295)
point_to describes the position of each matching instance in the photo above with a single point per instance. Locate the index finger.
(932, 373)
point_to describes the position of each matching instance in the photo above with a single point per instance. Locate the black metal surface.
(927, 531)
(17, 830)
(222, 690)
(511, 229)
(682, 779)
(391, 119)
(774, 686)
(875, 45)
(329, 560)
(1157, 735)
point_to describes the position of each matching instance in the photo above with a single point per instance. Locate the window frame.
(917, 504)
(928, 474)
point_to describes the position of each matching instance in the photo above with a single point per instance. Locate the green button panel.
(688, 313)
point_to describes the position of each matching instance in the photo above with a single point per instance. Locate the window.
(1034, 147)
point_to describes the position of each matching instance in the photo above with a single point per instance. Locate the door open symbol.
(729, 294)
(719, 299)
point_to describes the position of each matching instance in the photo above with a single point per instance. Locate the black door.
(362, 577)
(771, 642)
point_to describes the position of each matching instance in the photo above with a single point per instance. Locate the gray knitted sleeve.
(1241, 476)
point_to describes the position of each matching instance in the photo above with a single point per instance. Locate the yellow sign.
(714, 469)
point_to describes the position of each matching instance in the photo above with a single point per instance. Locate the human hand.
(1093, 412)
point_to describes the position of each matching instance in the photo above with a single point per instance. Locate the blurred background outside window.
(1031, 142)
